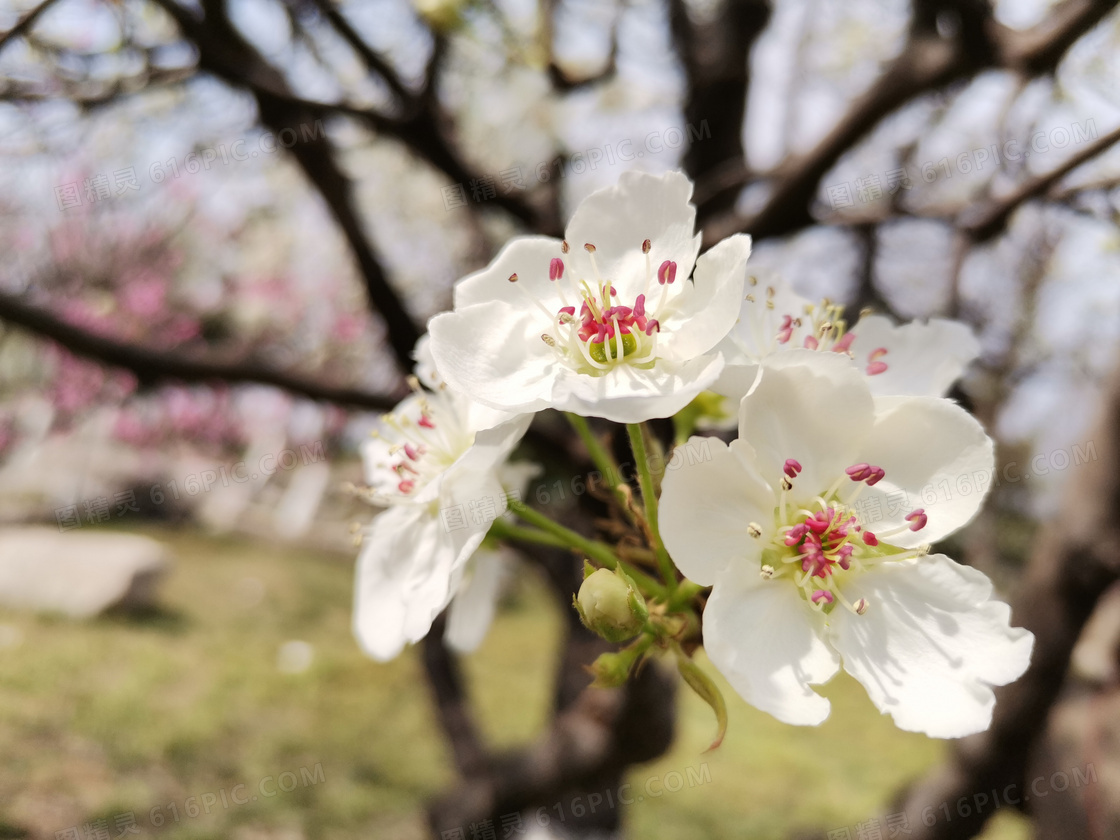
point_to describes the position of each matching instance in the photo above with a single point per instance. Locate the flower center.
(593, 331)
(822, 544)
(817, 327)
(420, 440)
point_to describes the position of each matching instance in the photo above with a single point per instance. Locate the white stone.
(78, 573)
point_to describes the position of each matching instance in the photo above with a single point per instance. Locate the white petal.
(627, 394)
(922, 359)
(472, 608)
(617, 219)
(494, 354)
(809, 406)
(930, 645)
(755, 334)
(705, 311)
(735, 382)
(708, 500)
(936, 457)
(767, 642)
(403, 579)
(425, 368)
(526, 256)
(471, 490)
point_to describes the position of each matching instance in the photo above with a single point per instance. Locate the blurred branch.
(446, 683)
(992, 219)
(715, 55)
(561, 81)
(1076, 558)
(928, 61)
(370, 57)
(150, 366)
(24, 24)
(225, 53)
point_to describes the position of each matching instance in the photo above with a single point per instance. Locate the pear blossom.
(443, 480)
(610, 322)
(913, 359)
(814, 531)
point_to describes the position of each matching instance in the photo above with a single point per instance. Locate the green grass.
(160, 714)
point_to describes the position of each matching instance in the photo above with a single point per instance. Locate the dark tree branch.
(1075, 560)
(715, 55)
(24, 24)
(226, 54)
(452, 704)
(373, 61)
(990, 220)
(928, 61)
(156, 366)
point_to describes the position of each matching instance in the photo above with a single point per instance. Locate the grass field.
(189, 710)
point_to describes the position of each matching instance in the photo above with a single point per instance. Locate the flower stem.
(649, 499)
(505, 530)
(600, 552)
(602, 459)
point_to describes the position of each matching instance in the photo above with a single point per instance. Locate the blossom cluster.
(769, 538)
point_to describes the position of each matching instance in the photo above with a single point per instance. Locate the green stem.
(649, 499)
(504, 530)
(600, 552)
(602, 459)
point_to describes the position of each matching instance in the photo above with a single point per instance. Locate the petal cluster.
(912, 359)
(443, 483)
(814, 529)
(618, 320)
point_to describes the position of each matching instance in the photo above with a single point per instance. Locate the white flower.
(912, 359)
(611, 326)
(444, 483)
(813, 529)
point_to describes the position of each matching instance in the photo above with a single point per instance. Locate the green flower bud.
(611, 606)
(611, 669)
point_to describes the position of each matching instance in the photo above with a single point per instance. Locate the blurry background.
(223, 226)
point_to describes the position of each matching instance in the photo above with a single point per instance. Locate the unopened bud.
(611, 669)
(610, 606)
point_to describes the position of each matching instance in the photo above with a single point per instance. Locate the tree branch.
(24, 24)
(928, 61)
(1073, 563)
(992, 219)
(225, 53)
(151, 366)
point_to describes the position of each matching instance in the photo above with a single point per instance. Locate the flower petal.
(812, 407)
(761, 316)
(931, 644)
(403, 579)
(767, 643)
(921, 359)
(472, 608)
(706, 310)
(526, 256)
(937, 455)
(617, 219)
(628, 394)
(708, 501)
(494, 354)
